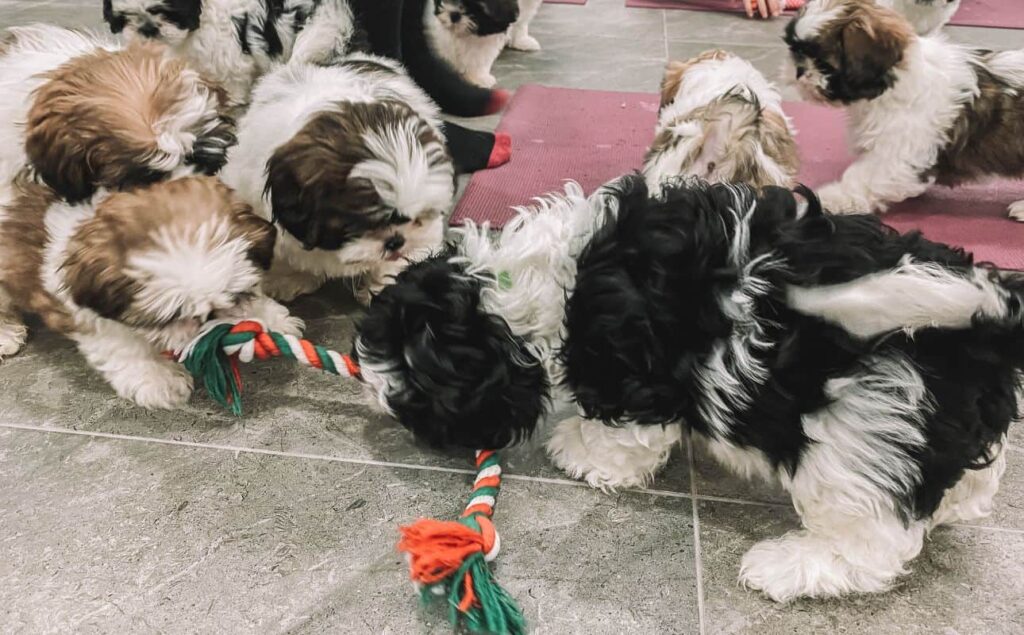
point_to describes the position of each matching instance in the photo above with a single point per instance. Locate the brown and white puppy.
(722, 121)
(132, 274)
(86, 114)
(922, 110)
(350, 162)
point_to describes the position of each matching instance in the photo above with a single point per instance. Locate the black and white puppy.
(874, 375)
(233, 42)
(350, 161)
(470, 34)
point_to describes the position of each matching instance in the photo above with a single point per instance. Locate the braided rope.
(446, 558)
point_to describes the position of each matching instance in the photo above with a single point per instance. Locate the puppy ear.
(94, 270)
(450, 371)
(116, 23)
(670, 83)
(262, 235)
(872, 43)
(288, 199)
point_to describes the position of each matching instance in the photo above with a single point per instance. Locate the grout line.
(664, 34)
(693, 495)
(698, 562)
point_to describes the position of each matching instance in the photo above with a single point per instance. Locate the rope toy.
(449, 558)
(445, 558)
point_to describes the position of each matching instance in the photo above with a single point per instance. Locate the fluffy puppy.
(470, 34)
(351, 164)
(86, 114)
(926, 16)
(873, 375)
(722, 121)
(132, 274)
(921, 109)
(235, 41)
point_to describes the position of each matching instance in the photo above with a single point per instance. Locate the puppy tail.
(443, 83)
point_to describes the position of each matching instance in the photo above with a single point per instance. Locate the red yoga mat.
(1003, 14)
(593, 136)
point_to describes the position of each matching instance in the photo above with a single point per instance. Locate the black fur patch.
(460, 376)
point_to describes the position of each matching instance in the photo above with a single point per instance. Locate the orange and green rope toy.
(446, 558)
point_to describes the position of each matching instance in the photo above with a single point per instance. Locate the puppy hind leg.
(836, 554)
(971, 498)
(610, 457)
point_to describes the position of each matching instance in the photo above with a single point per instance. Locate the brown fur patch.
(125, 224)
(746, 128)
(95, 122)
(864, 45)
(23, 240)
(674, 72)
(308, 177)
(988, 135)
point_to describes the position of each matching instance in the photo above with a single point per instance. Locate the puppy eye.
(397, 218)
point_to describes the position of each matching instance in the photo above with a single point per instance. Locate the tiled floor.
(113, 519)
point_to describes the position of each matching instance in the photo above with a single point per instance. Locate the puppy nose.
(455, 17)
(149, 30)
(394, 243)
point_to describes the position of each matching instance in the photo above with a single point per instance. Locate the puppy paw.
(155, 386)
(277, 317)
(287, 287)
(609, 458)
(524, 43)
(801, 564)
(12, 338)
(836, 200)
(1017, 211)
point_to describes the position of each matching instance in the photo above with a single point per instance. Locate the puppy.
(470, 34)
(722, 121)
(874, 375)
(921, 109)
(132, 274)
(926, 16)
(519, 37)
(86, 114)
(235, 41)
(351, 164)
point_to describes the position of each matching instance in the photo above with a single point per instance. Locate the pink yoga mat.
(579, 2)
(594, 136)
(1005, 14)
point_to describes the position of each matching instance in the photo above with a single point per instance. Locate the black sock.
(474, 150)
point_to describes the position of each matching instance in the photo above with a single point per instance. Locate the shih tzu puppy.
(235, 41)
(85, 114)
(926, 16)
(921, 110)
(350, 162)
(470, 34)
(130, 275)
(722, 121)
(874, 375)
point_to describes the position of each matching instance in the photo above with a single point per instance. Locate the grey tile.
(70, 13)
(598, 18)
(113, 536)
(595, 62)
(723, 29)
(965, 581)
